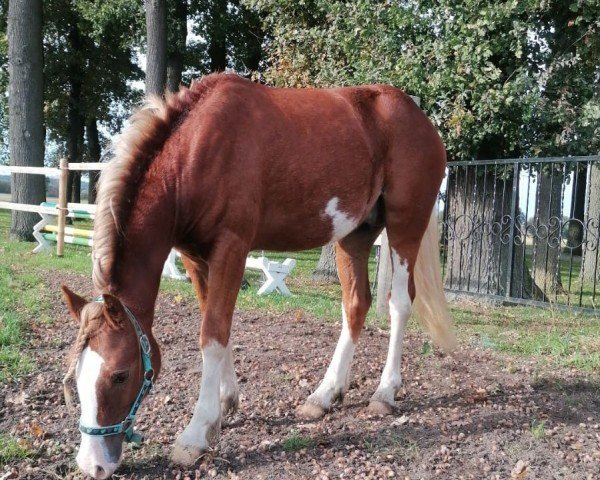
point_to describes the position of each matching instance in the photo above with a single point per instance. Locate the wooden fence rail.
(63, 206)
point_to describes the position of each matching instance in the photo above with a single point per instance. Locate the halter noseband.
(126, 426)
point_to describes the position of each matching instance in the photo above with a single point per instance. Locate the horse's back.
(305, 166)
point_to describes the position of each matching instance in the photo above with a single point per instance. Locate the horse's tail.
(430, 300)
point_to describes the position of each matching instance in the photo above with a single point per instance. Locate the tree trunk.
(479, 221)
(25, 105)
(176, 54)
(75, 116)
(95, 151)
(174, 71)
(547, 241)
(254, 39)
(217, 41)
(590, 264)
(577, 218)
(156, 55)
(326, 270)
(476, 254)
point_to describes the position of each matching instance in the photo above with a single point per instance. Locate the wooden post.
(384, 275)
(62, 206)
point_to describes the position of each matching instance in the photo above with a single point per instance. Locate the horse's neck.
(141, 257)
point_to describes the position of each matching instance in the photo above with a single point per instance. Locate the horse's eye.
(119, 377)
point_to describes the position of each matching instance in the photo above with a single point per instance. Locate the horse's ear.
(74, 302)
(113, 310)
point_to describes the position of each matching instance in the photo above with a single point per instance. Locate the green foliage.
(238, 26)
(91, 47)
(295, 442)
(484, 71)
(11, 450)
(538, 429)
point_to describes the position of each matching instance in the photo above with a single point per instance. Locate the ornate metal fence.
(523, 230)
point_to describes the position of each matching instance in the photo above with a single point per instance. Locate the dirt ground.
(475, 414)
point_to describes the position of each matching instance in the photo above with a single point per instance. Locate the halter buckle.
(126, 424)
(145, 344)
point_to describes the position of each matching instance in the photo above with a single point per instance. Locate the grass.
(309, 297)
(11, 450)
(538, 429)
(558, 338)
(295, 442)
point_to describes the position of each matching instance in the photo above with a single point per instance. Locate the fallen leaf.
(37, 430)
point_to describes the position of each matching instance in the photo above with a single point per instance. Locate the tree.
(590, 265)
(326, 270)
(26, 127)
(156, 54)
(177, 35)
(90, 63)
(94, 154)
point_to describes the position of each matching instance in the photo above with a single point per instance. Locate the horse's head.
(108, 369)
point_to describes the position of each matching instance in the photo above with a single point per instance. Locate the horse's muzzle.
(99, 457)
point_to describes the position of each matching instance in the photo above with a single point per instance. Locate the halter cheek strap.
(126, 426)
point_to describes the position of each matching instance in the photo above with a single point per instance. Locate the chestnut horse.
(228, 166)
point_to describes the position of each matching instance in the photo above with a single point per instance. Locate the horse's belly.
(298, 228)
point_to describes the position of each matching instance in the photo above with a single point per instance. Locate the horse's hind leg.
(403, 252)
(226, 269)
(352, 257)
(229, 391)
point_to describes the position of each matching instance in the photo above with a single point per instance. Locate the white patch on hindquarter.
(341, 223)
(92, 451)
(336, 379)
(400, 307)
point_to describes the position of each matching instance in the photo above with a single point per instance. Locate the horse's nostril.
(99, 472)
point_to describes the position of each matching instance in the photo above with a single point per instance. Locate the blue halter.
(126, 426)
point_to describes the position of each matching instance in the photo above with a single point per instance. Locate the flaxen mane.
(136, 148)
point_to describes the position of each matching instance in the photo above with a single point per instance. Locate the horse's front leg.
(225, 276)
(197, 269)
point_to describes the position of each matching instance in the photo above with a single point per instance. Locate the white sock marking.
(337, 377)
(342, 224)
(207, 412)
(400, 307)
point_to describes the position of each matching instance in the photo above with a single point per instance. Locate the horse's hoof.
(377, 407)
(230, 405)
(310, 411)
(186, 455)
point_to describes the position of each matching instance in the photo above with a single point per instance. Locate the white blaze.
(342, 224)
(92, 457)
(88, 371)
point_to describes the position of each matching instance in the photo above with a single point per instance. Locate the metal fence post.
(513, 220)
